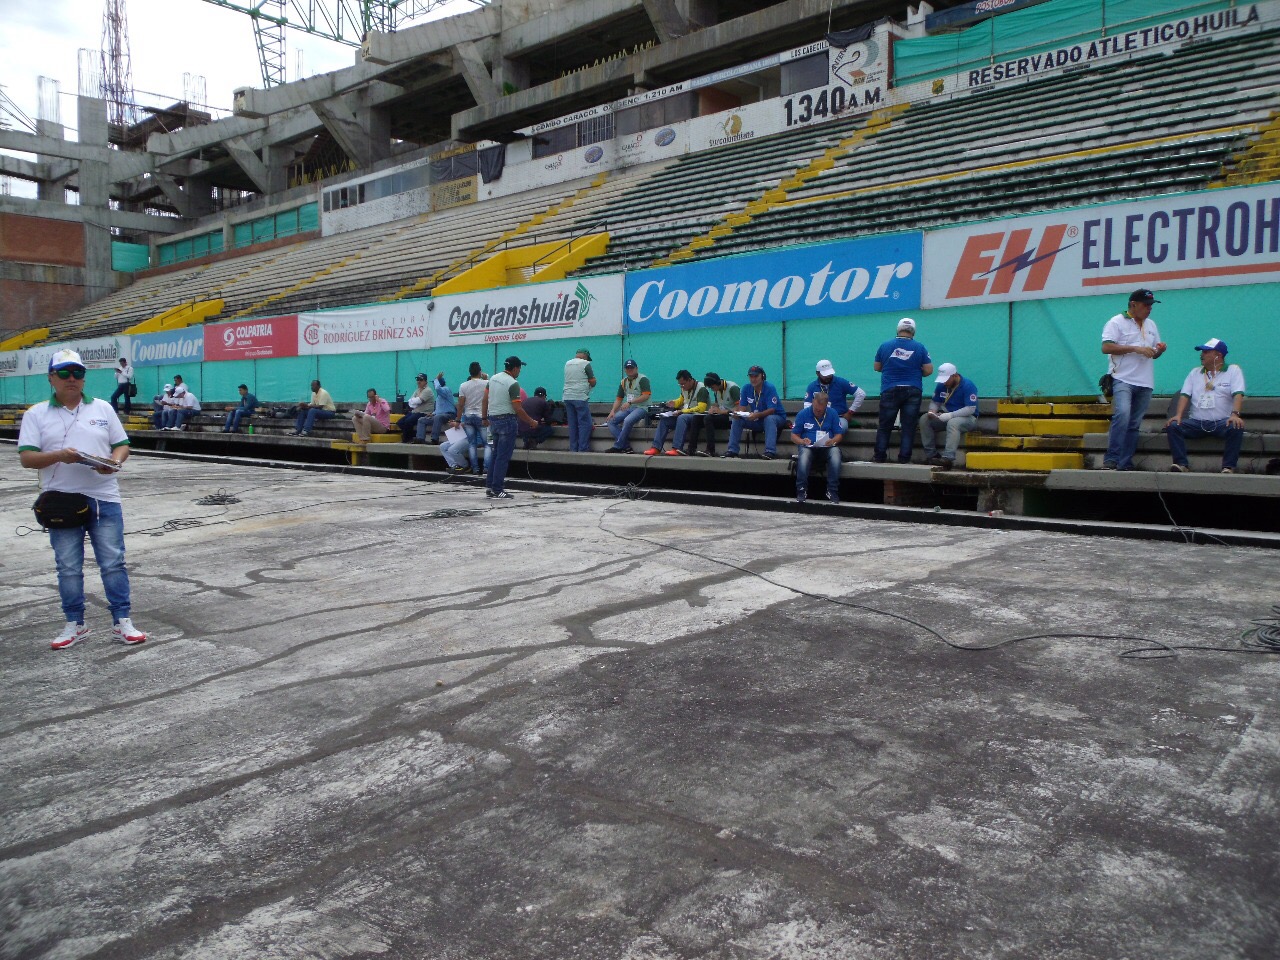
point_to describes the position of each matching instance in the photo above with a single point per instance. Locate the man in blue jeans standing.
(902, 363)
(759, 409)
(1133, 343)
(503, 411)
(579, 378)
(54, 434)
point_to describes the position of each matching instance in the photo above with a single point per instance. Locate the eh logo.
(991, 261)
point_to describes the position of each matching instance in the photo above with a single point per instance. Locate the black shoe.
(626, 450)
(1108, 466)
(833, 497)
(501, 495)
(728, 456)
(614, 450)
(767, 456)
(801, 497)
(703, 453)
(879, 459)
(902, 460)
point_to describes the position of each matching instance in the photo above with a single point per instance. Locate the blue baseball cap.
(65, 358)
(1214, 344)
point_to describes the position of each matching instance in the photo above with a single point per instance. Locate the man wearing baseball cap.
(55, 434)
(1133, 343)
(503, 411)
(629, 407)
(902, 363)
(953, 410)
(579, 379)
(842, 396)
(1214, 396)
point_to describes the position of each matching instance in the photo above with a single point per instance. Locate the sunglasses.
(66, 373)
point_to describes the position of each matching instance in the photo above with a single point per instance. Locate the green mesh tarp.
(128, 257)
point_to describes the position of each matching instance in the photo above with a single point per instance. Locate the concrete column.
(95, 196)
(51, 189)
(511, 75)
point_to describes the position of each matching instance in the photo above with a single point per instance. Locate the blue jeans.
(1128, 407)
(1180, 433)
(895, 401)
(954, 428)
(535, 435)
(436, 422)
(474, 426)
(409, 424)
(621, 423)
(769, 425)
(578, 413)
(122, 390)
(503, 430)
(805, 455)
(176, 417)
(234, 418)
(682, 423)
(106, 533)
(307, 418)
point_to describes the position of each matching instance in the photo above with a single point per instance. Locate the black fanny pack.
(58, 510)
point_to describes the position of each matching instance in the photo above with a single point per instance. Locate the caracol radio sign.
(819, 280)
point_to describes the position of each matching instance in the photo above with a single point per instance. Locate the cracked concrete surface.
(575, 727)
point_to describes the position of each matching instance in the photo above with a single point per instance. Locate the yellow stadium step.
(976, 441)
(375, 438)
(1030, 462)
(1048, 427)
(1006, 408)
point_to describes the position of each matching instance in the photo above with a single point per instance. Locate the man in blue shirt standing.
(953, 409)
(842, 396)
(759, 408)
(818, 430)
(902, 364)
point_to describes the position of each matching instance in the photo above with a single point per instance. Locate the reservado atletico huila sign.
(1207, 239)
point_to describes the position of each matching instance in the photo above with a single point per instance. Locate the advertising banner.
(586, 307)
(98, 353)
(180, 346)
(868, 275)
(372, 329)
(9, 364)
(252, 339)
(1211, 239)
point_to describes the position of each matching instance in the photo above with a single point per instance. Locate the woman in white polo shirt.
(54, 434)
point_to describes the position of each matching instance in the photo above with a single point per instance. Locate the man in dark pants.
(502, 410)
(538, 407)
(124, 379)
(902, 363)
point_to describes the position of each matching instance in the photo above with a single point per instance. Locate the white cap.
(64, 358)
(906, 323)
(945, 373)
(825, 369)
(168, 386)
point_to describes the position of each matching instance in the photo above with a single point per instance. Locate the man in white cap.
(56, 435)
(1215, 396)
(953, 410)
(902, 363)
(159, 404)
(842, 396)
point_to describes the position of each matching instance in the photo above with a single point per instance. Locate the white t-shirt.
(471, 398)
(92, 428)
(124, 374)
(1132, 368)
(191, 402)
(1211, 394)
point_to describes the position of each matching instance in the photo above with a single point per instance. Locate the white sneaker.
(125, 632)
(71, 634)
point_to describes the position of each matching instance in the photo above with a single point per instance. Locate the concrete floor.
(542, 732)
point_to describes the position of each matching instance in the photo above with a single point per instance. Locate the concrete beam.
(194, 139)
(249, 162)
(23, 142)
(522, 39)
(53, 210)
(668, 22)
(469, 62)
(23, 169)
(436, 36)
(255, 103)
(361, 131)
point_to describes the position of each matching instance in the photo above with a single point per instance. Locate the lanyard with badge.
(1207, 400)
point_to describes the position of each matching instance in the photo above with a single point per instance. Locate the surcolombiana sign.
(1209, 239)
(867, 275)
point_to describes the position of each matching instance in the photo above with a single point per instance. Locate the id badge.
(1205, 401)
(822, 437)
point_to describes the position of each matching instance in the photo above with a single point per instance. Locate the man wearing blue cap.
(55, 437)
(1214, 396)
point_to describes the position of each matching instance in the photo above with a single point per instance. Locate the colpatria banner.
(181, 346)
(585, 307)
(849, 277)
(1210, 239)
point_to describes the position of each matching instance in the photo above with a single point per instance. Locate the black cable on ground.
(1153, 649)
(1265, 635)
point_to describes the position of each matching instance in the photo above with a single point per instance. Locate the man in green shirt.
(502, 410)
(684, 410)
(722, 400)
(628, 407)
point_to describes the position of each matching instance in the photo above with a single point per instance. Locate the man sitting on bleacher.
(722, 399)
(630, 406)
(818, 428)
(691, 403)
(1215, 396)
(375, 418)
(321, 407)
(953, 411)
(759, 410)
(176, 416)
(422, 405)
(248, 404)
(842, 396)
(159, 404)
